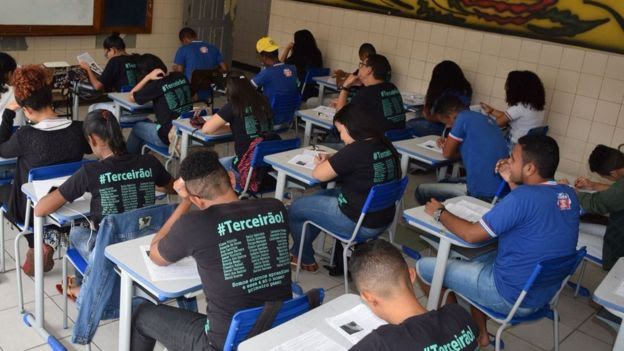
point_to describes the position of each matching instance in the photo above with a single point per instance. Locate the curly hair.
(32, 87)
(204, 175)
(525, 87)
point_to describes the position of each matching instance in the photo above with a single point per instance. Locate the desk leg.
(38, 228)
(184, 144)
(404, 163)
(117, 111)
(321, 94)
(281, 184)
(307, 133)
(438, 274)
(125, 311)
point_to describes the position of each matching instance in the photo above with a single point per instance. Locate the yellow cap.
(266, 44)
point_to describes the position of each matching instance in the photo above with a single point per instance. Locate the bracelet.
(345, 88)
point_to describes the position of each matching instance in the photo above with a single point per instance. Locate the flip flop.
(70, 285)
(310, 267)
(493, 341)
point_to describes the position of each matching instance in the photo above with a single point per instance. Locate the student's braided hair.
(104, 124)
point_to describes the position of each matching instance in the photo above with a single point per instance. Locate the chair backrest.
(384, 195)
(543, 130)
(55, 171)
(399, 134)
(126, 88)
(272, 147)
(243, 321)
(311, 73)
(284, 107)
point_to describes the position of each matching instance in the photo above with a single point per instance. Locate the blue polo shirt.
(532, 223)
(197, 55)
(277, 79)
(482, 145)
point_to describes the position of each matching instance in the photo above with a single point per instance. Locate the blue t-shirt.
(482, 145)
(277, 79)
(533, 223)
(197, 55)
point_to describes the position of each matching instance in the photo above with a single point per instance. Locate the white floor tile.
(574, 312)
(598, 330)
(8, 289)
(540, 333)
(579, 341)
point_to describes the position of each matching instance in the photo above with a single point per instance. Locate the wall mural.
(592, 23)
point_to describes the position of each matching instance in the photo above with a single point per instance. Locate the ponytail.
(104, 124)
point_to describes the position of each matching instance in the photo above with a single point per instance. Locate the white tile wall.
(584, 87)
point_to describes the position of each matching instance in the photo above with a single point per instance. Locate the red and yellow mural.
(591, 23)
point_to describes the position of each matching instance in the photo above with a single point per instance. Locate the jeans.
(422, 127)
(143, 132)
(83, 240)
(439, 191)
(472, 279)
(322, 208)
(228, 163)
(174, 328)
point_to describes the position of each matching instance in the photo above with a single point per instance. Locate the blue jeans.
(422, 127)
(143, 132)
(83, 240)
(472, 279)
(322, 208)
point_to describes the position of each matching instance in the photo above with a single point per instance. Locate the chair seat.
(77, 260)
(500, 318)
(163, 151)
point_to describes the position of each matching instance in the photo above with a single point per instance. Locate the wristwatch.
(437, 213)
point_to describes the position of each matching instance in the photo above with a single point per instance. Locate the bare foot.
(484, 340)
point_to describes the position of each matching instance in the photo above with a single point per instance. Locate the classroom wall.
(163, 41)
(584, 88)
(251, 23)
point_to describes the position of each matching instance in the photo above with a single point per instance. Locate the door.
(212, 22)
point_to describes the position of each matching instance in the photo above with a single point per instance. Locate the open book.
(85, 57)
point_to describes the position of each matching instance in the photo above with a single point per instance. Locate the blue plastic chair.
(266, 148)
(399, 134)
(284, 108)
(546, 273)
(379, 197)
(243, 321)
(312, 73)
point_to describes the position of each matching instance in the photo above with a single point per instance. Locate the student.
(446, 78)
(364, 52)
(477, 140)
(171, 95)
(275, 77)
(120, 71)
(385, 283)
(50, 140)
(248, 114)
(368, 159)
(304, 54)
(196, 54)
(538, 220)
(524, 93)
(228, 251)
(7, 95)
(378, 95)
(607, 200)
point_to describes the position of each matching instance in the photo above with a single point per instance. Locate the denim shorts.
(472, 279)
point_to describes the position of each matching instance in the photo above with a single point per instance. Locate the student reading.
(119, 182)
(275, 77)
(196, 54)
(120, 71)
(235, 244)
(538, 220)
(50, 140)
(385, 284)
(171, 95)
(367, 159)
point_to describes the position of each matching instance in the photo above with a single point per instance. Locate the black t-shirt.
(361, 165)
(117, 184)
(244, 128)
(241, 250)
(385, 101)
(119, 71)
(171, 96)
(449, 328)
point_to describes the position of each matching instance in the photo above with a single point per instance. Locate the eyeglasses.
(362, 64)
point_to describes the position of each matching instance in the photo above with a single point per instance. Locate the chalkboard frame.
(97, 27)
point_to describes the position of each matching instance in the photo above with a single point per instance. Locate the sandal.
(309, 267)
(73, 290)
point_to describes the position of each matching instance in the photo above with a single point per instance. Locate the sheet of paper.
(312, 340)
(56, 64)
(413, 99)
(467, 210)
(305, 159)
(85, 57)
(43, 187)
(430, 145)
(620, 290)
(325, 111)
(356, 323)
(186, 268)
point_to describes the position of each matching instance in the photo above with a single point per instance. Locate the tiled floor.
(578, 328)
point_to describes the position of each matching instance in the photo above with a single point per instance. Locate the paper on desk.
(85, 57)
(305, 159)
(431, 145)
(312, 340)
(43, 187)
(185, 268)
(467, 210)
(325, 111)
(620, 290)
(355, 323)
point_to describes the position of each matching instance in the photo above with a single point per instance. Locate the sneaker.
(29, 263)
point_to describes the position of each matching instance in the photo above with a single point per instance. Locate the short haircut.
(446, 104)
(605, 159)
(380, 66)
(543, 151)
(379, 267)
(187, 32)
(204, 176)
(114, 41)
(147, 63)
(525, 87)
(367, 49)
(270, 54)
